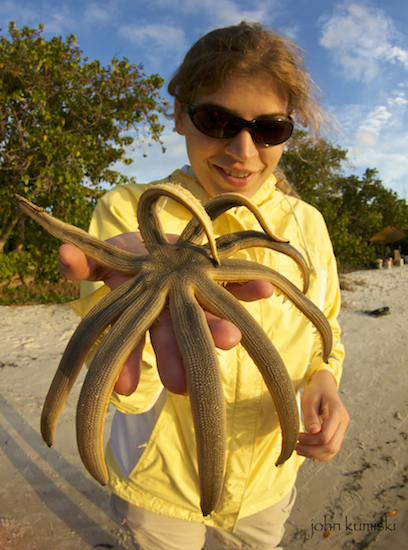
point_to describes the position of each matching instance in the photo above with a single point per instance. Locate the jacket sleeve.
(330, 302)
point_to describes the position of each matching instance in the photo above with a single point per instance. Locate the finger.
(325, 444)
(225, 334)
(323, 418)
(311, 404)
(254, 290)
(324, 436)
(169, 361)
(129, 376)
(131, 241)
(311, 417)
(73, 264)
(317, 451)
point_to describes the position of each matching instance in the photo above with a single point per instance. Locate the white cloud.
(293, 33)
(398, 54)
(376, 137)
(377, 119)
(156, 164)
(389, 157)
(158, 41)
(371, 124)
(9, 11)
(398, 100)
(228, 12)
(160, 33)
(56, 19)
(97, 13)
(361, 39)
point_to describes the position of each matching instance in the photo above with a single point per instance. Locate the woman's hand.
(325, 419)
(74, 265)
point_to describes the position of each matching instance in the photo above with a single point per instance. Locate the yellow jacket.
(165, 478)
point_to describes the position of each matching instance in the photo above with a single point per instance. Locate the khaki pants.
(150, 531)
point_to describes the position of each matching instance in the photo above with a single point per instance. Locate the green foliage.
(355, 208)
(312, 168)
(16, 264)
(40, 293)
(64, 122)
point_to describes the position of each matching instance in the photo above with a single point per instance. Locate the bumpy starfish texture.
(185, 276)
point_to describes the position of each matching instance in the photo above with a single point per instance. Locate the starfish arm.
(104, 371)
(87, 332)
(103, 253)
(149, 222)
(233, 242)
(205, 391)
(240, 271)
(193, 232)
(219, 301)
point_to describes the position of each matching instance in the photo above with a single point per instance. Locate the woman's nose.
(242, 146)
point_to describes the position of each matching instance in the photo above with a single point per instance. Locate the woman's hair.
(252, 50)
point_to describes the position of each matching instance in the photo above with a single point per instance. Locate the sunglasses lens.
(216, 123)
(220, 124)
(272, 132)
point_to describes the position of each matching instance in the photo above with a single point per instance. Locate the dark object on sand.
(379, 312)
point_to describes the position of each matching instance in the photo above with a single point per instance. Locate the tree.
(312, 168)
(354, 207)
(368, 207)
(64, 122)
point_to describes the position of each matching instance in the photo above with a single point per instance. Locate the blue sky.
(357, 52)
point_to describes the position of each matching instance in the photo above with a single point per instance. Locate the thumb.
(311, 409)
(72, 263)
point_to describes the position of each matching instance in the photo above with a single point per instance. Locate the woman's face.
(235, 164)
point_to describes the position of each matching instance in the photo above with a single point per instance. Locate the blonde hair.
(250, 49)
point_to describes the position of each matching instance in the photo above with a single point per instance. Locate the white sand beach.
(49, 502)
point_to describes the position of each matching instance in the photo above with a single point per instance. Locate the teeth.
(236, 174)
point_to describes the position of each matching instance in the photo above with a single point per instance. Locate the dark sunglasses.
(221, 124)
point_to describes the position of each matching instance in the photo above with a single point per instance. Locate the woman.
(229, 77)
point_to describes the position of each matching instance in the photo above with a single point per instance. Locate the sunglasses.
(221, 124)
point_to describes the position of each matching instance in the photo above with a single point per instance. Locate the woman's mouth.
(238, 180)
(236, 174)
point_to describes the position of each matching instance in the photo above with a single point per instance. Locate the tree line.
(354, 207)
(66, 121)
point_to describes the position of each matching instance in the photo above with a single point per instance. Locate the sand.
(49, 502)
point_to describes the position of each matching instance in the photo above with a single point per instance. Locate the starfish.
(184, 276)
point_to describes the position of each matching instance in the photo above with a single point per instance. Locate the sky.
(356, 51)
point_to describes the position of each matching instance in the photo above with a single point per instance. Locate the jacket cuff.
(334, 366)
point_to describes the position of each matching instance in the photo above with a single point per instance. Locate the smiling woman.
(236, 94)
(236, 163)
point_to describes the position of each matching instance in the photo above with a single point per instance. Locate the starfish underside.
(186, 276)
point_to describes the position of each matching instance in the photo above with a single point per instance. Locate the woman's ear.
(179, 114)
